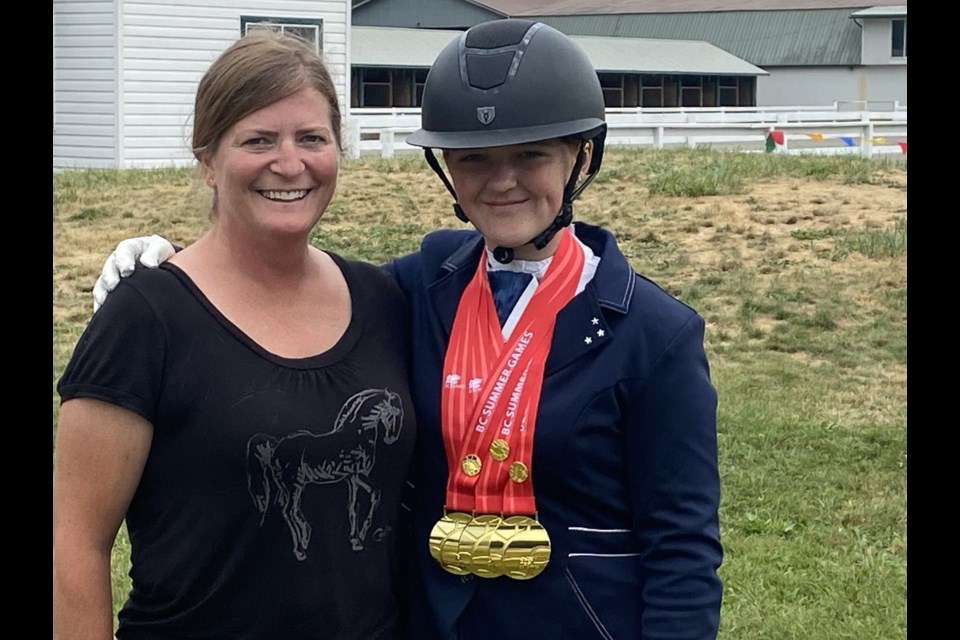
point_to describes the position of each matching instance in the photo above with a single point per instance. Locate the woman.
(565, 478)
(245, 407)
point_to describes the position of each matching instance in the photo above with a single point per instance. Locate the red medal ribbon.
(491, 387)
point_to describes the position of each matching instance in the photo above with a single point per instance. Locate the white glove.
(149, 250)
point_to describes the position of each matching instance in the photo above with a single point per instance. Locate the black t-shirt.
(269, 501)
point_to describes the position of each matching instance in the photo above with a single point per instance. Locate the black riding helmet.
(507, 82)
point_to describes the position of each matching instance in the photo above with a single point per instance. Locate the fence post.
(386, 143)
(352, 150)
(658, 137)
(866, 143)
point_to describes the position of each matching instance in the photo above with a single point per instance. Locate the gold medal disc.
(475, 546)
(471, 465)
(499, 543)
(445, 541)
(518, 472)
(524, 550)
(499, 449)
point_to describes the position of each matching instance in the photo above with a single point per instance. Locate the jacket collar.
(614, 282)
(581, 325)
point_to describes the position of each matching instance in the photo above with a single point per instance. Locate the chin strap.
(437, 169)
(504, 255)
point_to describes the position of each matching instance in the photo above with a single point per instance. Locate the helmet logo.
(486, 114)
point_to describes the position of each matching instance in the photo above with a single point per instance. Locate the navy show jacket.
(624, 463)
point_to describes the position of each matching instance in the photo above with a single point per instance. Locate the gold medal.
(471, 464)
(499, 449)
(518, 471)
(523, 548)
(445, 541)
(499, 542)
(474, 548)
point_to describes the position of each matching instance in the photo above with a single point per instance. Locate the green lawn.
(798, 265)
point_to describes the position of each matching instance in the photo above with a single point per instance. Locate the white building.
(125, 73)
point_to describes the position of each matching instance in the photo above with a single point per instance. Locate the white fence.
(824, 130)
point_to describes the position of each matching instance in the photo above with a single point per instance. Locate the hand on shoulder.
(149, 251)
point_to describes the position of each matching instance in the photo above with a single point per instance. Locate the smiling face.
(512, 193)
(275, 170)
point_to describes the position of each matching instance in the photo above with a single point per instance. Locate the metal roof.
(765, 33)
(763, 38)
(654, 55)
(519, 8)
(394, 47)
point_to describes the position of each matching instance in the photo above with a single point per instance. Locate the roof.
(895, 11)
(520, 8)
(654, 55)
(765, 33)
(764, 38)
(395, 47)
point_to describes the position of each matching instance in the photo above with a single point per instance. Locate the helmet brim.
(586, 128)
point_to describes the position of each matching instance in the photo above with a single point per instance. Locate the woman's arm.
(100, 453)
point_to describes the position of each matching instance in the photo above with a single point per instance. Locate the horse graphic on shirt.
(279, 469)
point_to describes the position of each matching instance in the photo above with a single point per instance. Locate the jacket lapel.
(452, 278)
(585, 323)
(581, 328)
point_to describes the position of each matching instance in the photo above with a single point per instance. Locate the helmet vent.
(498, 33)
(488, 71)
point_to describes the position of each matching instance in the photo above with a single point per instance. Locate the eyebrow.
(268, 130)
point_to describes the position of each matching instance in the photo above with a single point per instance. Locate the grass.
(798, 264)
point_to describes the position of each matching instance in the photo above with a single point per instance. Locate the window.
(612, 86)
(419, 79)
(376, 88)
(729, 91)
(651, 91)
(380, 87)
(309, 30)
(691, 91)
(898, 47)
